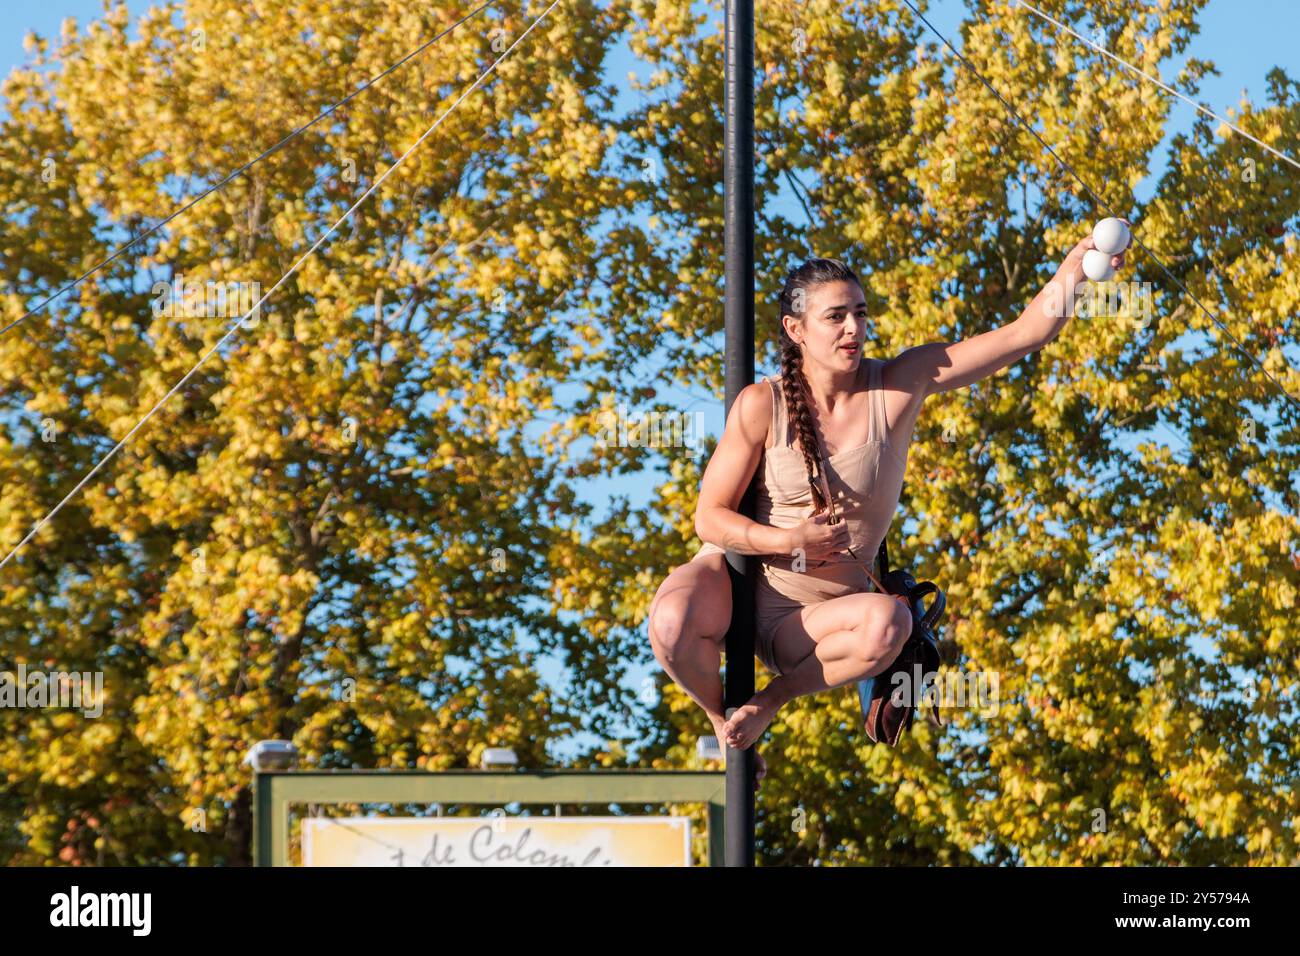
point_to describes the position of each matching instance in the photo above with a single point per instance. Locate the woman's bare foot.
(749, 721)
(760, 765)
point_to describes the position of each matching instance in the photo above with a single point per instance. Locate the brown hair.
(794, 386)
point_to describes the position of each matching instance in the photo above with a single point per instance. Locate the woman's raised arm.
(941, 366)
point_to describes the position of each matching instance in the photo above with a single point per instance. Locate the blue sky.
(1243, 38)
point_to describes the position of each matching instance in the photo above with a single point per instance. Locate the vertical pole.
(717, 830)
(738, 311)
(263, 816)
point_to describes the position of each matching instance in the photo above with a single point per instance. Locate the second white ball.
(1097, 267)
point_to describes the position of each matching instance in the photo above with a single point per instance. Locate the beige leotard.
(865, 483)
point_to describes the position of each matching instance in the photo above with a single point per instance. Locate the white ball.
(1111, 236)
(1097, 267)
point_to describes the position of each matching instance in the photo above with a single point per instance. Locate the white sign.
(496, 841)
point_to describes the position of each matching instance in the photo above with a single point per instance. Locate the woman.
(833, 420)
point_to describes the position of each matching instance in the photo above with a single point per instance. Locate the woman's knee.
(673, 625)
(667, 626)
(889, 625)
(670, 627)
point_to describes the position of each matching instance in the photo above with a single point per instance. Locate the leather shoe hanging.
(889, 702)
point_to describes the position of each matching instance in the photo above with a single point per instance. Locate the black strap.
(883, 556)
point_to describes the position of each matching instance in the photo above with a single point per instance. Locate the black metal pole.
(738, 311)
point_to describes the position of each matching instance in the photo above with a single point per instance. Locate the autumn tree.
(339, 531)
(360, 525)
(1114, 516)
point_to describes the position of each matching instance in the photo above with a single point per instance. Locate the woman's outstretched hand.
(817, 538)
(1071, 271)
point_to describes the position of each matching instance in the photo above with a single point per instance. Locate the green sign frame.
(275, 791)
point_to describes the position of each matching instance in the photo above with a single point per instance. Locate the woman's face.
(835, 316)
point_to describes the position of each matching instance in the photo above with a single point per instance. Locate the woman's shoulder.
(752, 410)
(762, 390)
(756, 409)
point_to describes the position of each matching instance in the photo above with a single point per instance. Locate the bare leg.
(837, 642)
(688, 624)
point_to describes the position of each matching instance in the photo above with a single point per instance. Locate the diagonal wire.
(292, 269)
(1156, 80)
(243, 169)
(1103, 204)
